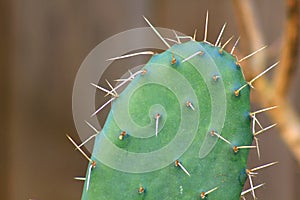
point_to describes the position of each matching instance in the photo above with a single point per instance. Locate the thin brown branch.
(268, 94)
(265, 94)
(288, 56)
(286, 117)
(251, 36)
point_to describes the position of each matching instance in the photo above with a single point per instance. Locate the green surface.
(143, 159)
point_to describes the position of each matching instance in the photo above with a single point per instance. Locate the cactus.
(180, 130)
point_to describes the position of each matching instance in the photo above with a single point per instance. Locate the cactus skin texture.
(137, 164)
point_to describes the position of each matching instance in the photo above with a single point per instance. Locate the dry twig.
(289, 49)
(251, 36)
(275, 93)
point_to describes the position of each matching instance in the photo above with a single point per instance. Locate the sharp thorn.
(206, 27)
(189, 104)
(191, 56)
(157, 116)
(112, 88)
(257, 147)
(87, 140)
(92, 127)
(263, 110)
(237, 92)
(178, 40)
(249, 190)
(263, 166)
(131, 55)
(210, 191)
(251, 54)
(246, 147)
(171, 40)
(220, 35)
(195, 34)
(81, 151)
(80, 178)
(103, 89)
(88, 177)
(256, 120)
(259, 75)
(237, 148)
(177, 163)
(130, 72)
(263, 130)
(213, 133)
(92, 136)
(99, 109)
(120, 80)
(185, 37)
(251, 186)
(224, 45)
(234, 46)
(157, 33)
(131, 77)
(203, 194)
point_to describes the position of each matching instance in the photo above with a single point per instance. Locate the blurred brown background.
(42, 46)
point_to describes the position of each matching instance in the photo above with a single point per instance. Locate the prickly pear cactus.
(177, 131)
(180, 129)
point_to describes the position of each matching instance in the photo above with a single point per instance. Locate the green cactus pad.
(192, 87)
